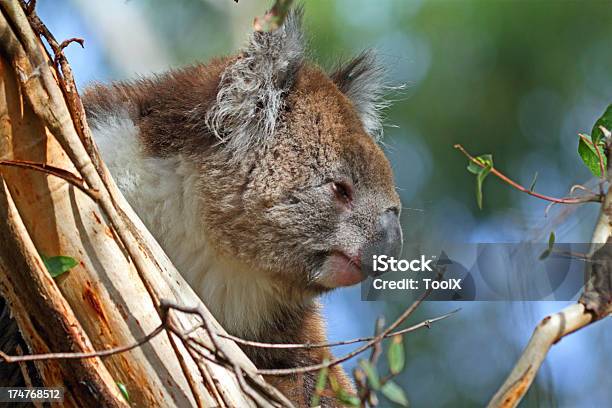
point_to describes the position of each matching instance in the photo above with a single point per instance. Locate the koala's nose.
(387, 240)
(390, 232)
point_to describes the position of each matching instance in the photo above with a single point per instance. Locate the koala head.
(299, 188)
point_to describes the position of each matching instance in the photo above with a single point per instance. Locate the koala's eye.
(343, 191)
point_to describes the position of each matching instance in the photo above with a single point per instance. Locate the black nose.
(387, 241)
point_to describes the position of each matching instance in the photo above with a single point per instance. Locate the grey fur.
(363, 80)
(251, 91)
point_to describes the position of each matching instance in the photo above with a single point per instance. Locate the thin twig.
(67, 42)
(426, 323)
(357, 351)
(31, 5)
(54, 171)
(68, 85)
(377, 348)
(598, 198)
(59, 51)
(580, 187)
(75, 355)
(217, 350)
(219, 358)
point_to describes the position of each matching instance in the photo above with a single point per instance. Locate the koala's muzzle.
(387, 241)
(341, 268)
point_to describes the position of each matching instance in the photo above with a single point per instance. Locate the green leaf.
(395, 355)
(473, 168)
(124, 391)
(533, 182)
(371, 373)
(480, 177)
(394, 393)
(589, 156)
(551, 240)
(57, 265)
(551, 243)
(485, 159)
(341, 394)
(320, 386)
(348, 399)
(545, 254)
(606, 121)
(481, 173)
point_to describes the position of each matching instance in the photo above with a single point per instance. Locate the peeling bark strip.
(112, 297)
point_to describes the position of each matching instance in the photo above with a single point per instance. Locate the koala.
(261, 177)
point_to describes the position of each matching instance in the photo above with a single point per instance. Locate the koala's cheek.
(339, 270)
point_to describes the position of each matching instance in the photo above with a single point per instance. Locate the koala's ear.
(362, 80)
(252, 89)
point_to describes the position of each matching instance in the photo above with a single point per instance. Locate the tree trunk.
(112, 297)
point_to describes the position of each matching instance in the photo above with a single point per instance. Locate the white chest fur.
(164, 193)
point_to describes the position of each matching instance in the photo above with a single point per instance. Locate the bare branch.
(54, 171)
(274, 18)
(66, 356)
(370, 343)
(426, 323)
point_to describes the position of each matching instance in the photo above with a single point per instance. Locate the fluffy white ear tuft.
(363, 80)
(252, 89)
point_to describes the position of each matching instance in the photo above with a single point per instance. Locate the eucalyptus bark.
(112, 297)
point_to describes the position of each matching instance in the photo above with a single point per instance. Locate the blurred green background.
(517, 79)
